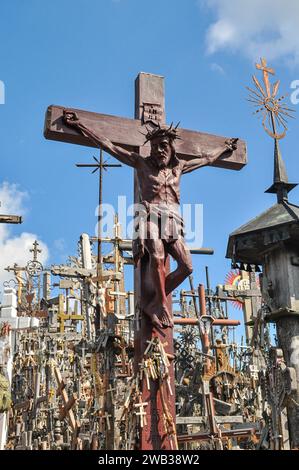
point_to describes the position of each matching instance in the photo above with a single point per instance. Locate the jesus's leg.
(157, 308)
(179, 251)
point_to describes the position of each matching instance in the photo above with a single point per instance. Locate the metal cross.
(99, 166)
(266, 70)
(272, 108)
(35, 250)
(34, 267)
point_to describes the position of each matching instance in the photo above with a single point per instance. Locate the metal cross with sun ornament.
(273, 109)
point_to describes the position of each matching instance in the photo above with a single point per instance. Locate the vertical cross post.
(150, 105)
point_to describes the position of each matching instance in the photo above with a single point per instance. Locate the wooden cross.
(150, 343)
(68, 403)
(110, 390)
(142, 415)
(62, 316)
(18, 270)
(141, 411)
(107, 417)
(127, 133)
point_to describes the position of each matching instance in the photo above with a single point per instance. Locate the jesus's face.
(161, 151)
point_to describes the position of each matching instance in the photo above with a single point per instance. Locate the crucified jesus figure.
(159, 184)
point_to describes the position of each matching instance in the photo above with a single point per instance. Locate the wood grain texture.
(127, 133)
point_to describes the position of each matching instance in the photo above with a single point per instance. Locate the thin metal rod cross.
(99, 166)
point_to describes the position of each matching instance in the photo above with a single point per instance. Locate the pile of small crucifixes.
(76, 388)
(69, 378)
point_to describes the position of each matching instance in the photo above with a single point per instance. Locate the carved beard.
(162, 162)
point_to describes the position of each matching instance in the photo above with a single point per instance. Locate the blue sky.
(87, 55)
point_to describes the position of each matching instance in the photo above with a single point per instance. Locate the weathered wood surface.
(150, 89)
(127, 133)
(10, 219)
(201, 419)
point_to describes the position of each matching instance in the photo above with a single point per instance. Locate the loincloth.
(155, 221)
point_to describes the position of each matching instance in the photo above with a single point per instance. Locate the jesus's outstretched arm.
(206, 158)
(125, 156)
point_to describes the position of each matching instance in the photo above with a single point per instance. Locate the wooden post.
(150, 104)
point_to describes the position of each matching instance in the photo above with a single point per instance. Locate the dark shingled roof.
(249, 239)
(282, 213)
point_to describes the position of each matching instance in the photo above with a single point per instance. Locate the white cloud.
(255, 28)
(11, 198)
(59, 244)
(217, 68)
(15, 249)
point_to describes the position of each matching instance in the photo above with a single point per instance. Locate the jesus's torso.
(159, 185)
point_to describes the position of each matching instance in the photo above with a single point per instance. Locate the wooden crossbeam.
(10, 219)
(230, 433)
(127, 133)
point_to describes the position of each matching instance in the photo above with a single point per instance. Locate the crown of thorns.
(159, 132)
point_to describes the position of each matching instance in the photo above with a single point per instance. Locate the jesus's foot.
(165, 318)
(154, 320)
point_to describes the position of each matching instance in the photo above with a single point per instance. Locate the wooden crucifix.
(161, 161)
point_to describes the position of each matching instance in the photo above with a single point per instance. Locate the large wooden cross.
(127, 133)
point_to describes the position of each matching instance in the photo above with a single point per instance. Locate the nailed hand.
(70, 117)
(231, 144)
